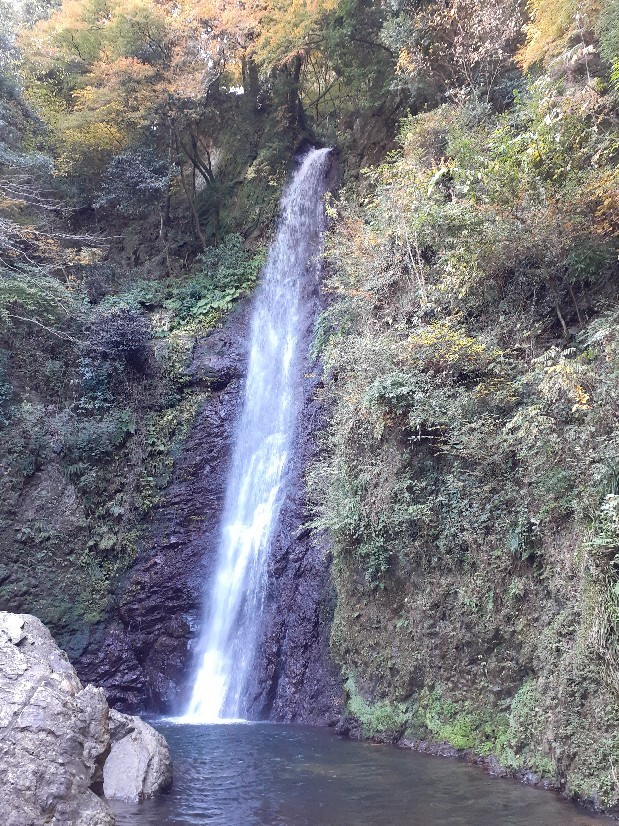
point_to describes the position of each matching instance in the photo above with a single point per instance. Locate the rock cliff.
(142, 657)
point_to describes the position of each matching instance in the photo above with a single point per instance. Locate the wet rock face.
(143, 658)
(295, 679)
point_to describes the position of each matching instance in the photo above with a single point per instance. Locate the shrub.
(122, 335)
(223, 274)
(609, 37)
(220, 277)
(134, 181)
(90, 441)
(382, 718)
(6, 390)
(444, 442)
(96, 378)
(30, 439)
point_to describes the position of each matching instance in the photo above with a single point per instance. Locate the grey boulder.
(139, 764)
(56, 738)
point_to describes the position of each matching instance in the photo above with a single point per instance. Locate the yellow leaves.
(408, 63)
(119, 63)
(119, 60)
(553, 23)
(286, 29)
(602, 194)
(270, 33)
(99, 121)
(10, 204)
(582, 399)
(442, 346)
(102, 135)
(83, 256)
(563, 379)
(123, 71)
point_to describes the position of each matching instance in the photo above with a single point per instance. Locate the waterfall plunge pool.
(264, 774)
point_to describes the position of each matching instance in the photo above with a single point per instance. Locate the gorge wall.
(142, 655)
(451, 539)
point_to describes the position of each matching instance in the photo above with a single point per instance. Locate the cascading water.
(261, 453)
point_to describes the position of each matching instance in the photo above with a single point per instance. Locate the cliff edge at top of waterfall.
(61, 748)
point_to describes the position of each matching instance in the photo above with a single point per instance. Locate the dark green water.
(241, 775)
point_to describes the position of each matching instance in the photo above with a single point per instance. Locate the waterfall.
(263, 443)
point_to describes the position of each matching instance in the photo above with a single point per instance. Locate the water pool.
(274, 775)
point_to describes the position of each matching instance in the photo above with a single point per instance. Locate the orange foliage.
(126, 63)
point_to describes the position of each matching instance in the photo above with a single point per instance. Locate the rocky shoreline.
(350, 728)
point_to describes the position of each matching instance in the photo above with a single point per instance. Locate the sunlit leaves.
(467, 45)
(556, 24)
(116, 66)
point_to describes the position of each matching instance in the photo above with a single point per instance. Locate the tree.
(120, 79)
(464, 46)
(111, 75)
(555, 24)
(34, 249)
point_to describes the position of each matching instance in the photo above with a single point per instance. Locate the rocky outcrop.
(56, 737)
(295, 679)
(143, 657)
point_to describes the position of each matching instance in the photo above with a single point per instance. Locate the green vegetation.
(382, 718)
(468, 478)
(95, 431)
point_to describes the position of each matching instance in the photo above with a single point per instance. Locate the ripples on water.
(270, 775)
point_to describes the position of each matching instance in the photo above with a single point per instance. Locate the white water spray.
(261, 453)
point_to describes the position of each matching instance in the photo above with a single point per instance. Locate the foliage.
(147, 98)
(6, 391)
(565, 29)
(468, 472)
(35, 247)
(221, 276)
(609, 37)
(382, 718)
(348, 67)
(96, 380)
(114, 65)
(467, 476)
(120, 334)
(91, 440)
(443, 246)
(133, 181)
(462, 726)
(463, 47)
(553, 23)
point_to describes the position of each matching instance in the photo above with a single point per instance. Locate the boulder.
(54, 734)
(139, 764)
(56, 737)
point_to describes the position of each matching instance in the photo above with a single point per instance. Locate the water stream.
(261, 453)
